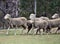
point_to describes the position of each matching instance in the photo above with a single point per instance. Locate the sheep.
(33, 19)
(37, 23)
(53, 23)
(41, 24)
(55, 16)
(20, 21)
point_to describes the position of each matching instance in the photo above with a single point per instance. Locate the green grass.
(28, 39)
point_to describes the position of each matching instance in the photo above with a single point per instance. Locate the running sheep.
(20, 21)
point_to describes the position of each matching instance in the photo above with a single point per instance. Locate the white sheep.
(20, 21)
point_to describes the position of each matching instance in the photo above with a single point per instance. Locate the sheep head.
(55, 16)
(7, 16)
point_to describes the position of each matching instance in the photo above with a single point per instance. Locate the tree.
(9, 6)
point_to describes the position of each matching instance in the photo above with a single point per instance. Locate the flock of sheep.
(43, 23)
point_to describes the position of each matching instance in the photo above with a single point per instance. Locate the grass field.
(28, 39)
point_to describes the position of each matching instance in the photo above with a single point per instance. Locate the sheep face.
(32, 16)
(7, 16)
(55, 16)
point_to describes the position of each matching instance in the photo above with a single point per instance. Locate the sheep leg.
(32, 31)
(8, 30)
(44, 31)
(15, 30)
(57, 29)
(28, 30)
(24, 28)
(12, 25)
(37, 31)
(48, 29)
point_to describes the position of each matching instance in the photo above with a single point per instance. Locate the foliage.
(44, 7)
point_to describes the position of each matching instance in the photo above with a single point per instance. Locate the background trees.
(44, 7)
(26, 7)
